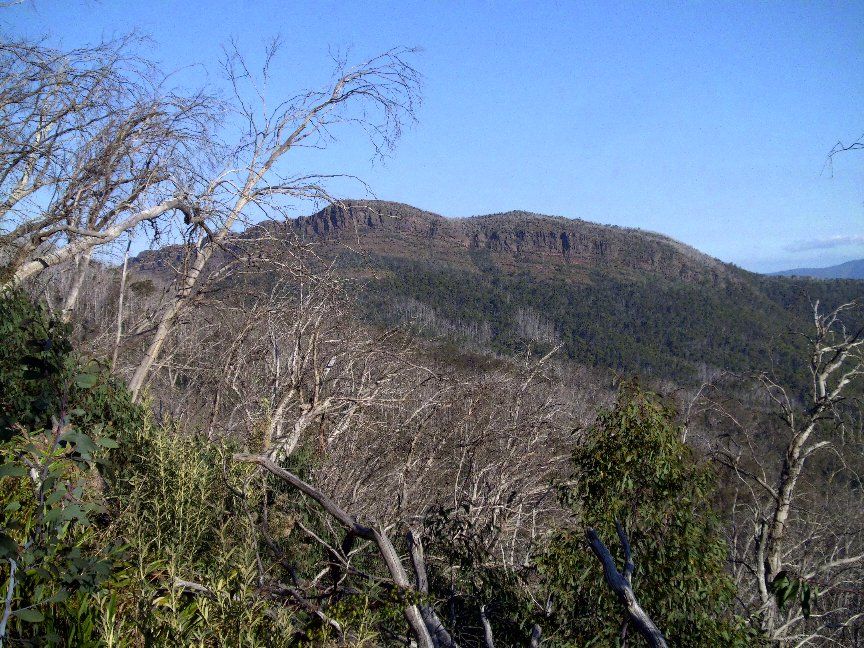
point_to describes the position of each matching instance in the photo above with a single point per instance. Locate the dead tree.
(621, 584)
(385, 85)
(355, 529)
(792, 468)
(440, 637)
(91, 146)
(502, 435)
(836, 360)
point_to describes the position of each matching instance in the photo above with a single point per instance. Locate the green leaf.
(53, 516)
(11, 470)
(107, 443)
(86, 381)
(781, 580)
(55, 496)
(59, 597)
(785, 589)
(29, 615)
(75, 511)
(83, 443)
(805, 600)
(8, 547)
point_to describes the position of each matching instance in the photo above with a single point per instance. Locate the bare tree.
(485, 446)
(841, 147)
(91, 146)
(377, 95)
(791, 529)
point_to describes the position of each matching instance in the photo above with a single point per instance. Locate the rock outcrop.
(512, 239)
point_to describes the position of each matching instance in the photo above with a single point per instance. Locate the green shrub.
(99, 538)
(58, 423)
(41, 377)
(634, 467)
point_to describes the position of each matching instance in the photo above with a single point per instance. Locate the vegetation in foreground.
(124, 531)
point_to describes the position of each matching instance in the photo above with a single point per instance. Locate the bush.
(634, 467)
(58, 423)
(96, 540)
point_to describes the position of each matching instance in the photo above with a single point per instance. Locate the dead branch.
(619, 583)
(385, 547)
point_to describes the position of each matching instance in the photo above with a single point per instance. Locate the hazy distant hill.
(848, 270)
(627, 299)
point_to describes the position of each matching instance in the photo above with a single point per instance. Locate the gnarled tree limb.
(440, 636)
(385, 547)
(620, 584)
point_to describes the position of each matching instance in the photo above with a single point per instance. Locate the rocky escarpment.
(513, 239)
(546, 246)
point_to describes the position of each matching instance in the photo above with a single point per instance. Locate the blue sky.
(706, 121)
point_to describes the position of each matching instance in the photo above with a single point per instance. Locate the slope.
(626, 299)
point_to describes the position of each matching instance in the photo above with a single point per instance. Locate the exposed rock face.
(513, 239)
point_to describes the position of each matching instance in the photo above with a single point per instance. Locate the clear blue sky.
(706, 121)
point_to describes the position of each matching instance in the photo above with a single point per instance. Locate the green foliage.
(191, 555)
(33, 360)
(463, 576)
(50, 535)
(41, 377)
(174, 497)
(100, 540)
(635, 468)
(59, 420)
(633, 324)
(789, 589)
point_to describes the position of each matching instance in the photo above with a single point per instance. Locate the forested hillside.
(611, 297)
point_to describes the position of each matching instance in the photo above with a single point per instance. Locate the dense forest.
(251, 436)
(652, 327)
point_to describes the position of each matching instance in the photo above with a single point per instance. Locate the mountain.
(848, 270)
(622, 298)
(516, 240)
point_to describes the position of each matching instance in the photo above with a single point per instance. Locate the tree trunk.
(166, 322)
(620, 584)
(120, 307)
(86, 243)
(75, 290)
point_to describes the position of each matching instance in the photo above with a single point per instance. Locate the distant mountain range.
(848, 270)
(621, 298)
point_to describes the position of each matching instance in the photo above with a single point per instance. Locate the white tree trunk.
(75, 290)
(120, 299)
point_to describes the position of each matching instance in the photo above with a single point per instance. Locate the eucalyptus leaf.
(12, 470)
(8, 547)
(29, 615)
(86, 381)
(805, 601)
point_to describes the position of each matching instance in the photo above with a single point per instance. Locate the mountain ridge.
(621, 298)
(849, 270)
(524, 236)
